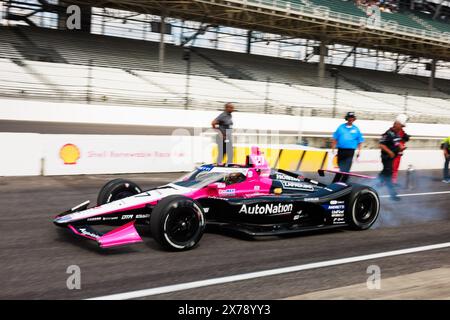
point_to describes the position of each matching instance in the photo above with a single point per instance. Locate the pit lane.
(34, 255)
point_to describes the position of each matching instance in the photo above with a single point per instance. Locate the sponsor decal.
(142, 216)
(296, 185)
(69, 153)
(206, 168)
(227, 192)
(87, 233)
(338, 220)
(127, 216)
(250, 174)
(214, 197)
(268, 208)
(281, 176)
(335, 206)
(110, 218)
(94, 219)
(311, 199)
(256, 188)
(221, 185)
(337, 213)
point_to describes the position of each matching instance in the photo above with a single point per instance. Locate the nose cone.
(62, 220)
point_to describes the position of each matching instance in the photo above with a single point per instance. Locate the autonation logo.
(268, 208)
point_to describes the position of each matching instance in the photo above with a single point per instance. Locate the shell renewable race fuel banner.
(60, 154)
(96, 154)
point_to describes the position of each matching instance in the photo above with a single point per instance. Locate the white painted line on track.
(265, 273)
(417, 194)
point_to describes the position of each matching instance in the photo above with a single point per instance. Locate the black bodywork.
(303, 205)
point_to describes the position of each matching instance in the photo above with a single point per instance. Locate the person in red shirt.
(401, 118)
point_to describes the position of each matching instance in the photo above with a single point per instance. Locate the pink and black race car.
(251, 199)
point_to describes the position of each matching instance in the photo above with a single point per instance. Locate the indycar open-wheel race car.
(252, 199)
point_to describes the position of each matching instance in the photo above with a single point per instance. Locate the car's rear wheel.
(177, 223)
(363, 209)
(117, 189)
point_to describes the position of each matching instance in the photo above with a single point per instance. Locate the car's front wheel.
(117, 189)
(363, 209)
(177, 223)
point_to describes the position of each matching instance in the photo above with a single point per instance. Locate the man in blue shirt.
(347, 138)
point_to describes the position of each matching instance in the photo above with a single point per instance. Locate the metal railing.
(326, 14)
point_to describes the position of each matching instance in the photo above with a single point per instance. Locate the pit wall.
(29, 154)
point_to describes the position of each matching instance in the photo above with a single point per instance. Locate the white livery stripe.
(265, 273)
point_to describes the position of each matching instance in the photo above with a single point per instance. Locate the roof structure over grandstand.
(297, 18)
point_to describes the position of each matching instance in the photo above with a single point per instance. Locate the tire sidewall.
(356, 193)
(161, 214)
(114, 187)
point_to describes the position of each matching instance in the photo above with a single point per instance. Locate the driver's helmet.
(233, 177)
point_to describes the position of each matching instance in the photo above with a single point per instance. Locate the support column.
(432, 76)
(162, 43)
(249, 41)
(86, 18)
(321, 74)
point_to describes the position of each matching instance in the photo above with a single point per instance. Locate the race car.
(250, 199)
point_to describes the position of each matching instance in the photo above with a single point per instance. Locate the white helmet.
(402, 118)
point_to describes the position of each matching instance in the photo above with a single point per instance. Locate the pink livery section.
(126, 234)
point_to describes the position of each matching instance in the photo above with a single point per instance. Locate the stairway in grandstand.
(229, 71)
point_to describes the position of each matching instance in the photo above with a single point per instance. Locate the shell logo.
(69, 153)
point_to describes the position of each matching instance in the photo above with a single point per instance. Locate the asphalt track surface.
(34, 254)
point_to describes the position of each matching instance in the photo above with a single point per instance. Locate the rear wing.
(340, 174)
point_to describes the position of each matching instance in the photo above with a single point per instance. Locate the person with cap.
(390, 145)
(445, 146)
(401, 118)
(347, 138)
(224, 139)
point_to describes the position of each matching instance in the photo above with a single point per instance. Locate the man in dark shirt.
(390, 145)
(224, 138)
(445, 146)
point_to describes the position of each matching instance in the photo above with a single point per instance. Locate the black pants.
(345, 160)
(446, 164)
(386, 174)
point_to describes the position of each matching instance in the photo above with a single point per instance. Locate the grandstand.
(112, 73)
(117, 70)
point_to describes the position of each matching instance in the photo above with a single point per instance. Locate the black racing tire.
(363, 207)
(117, 189)
(177, 223)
